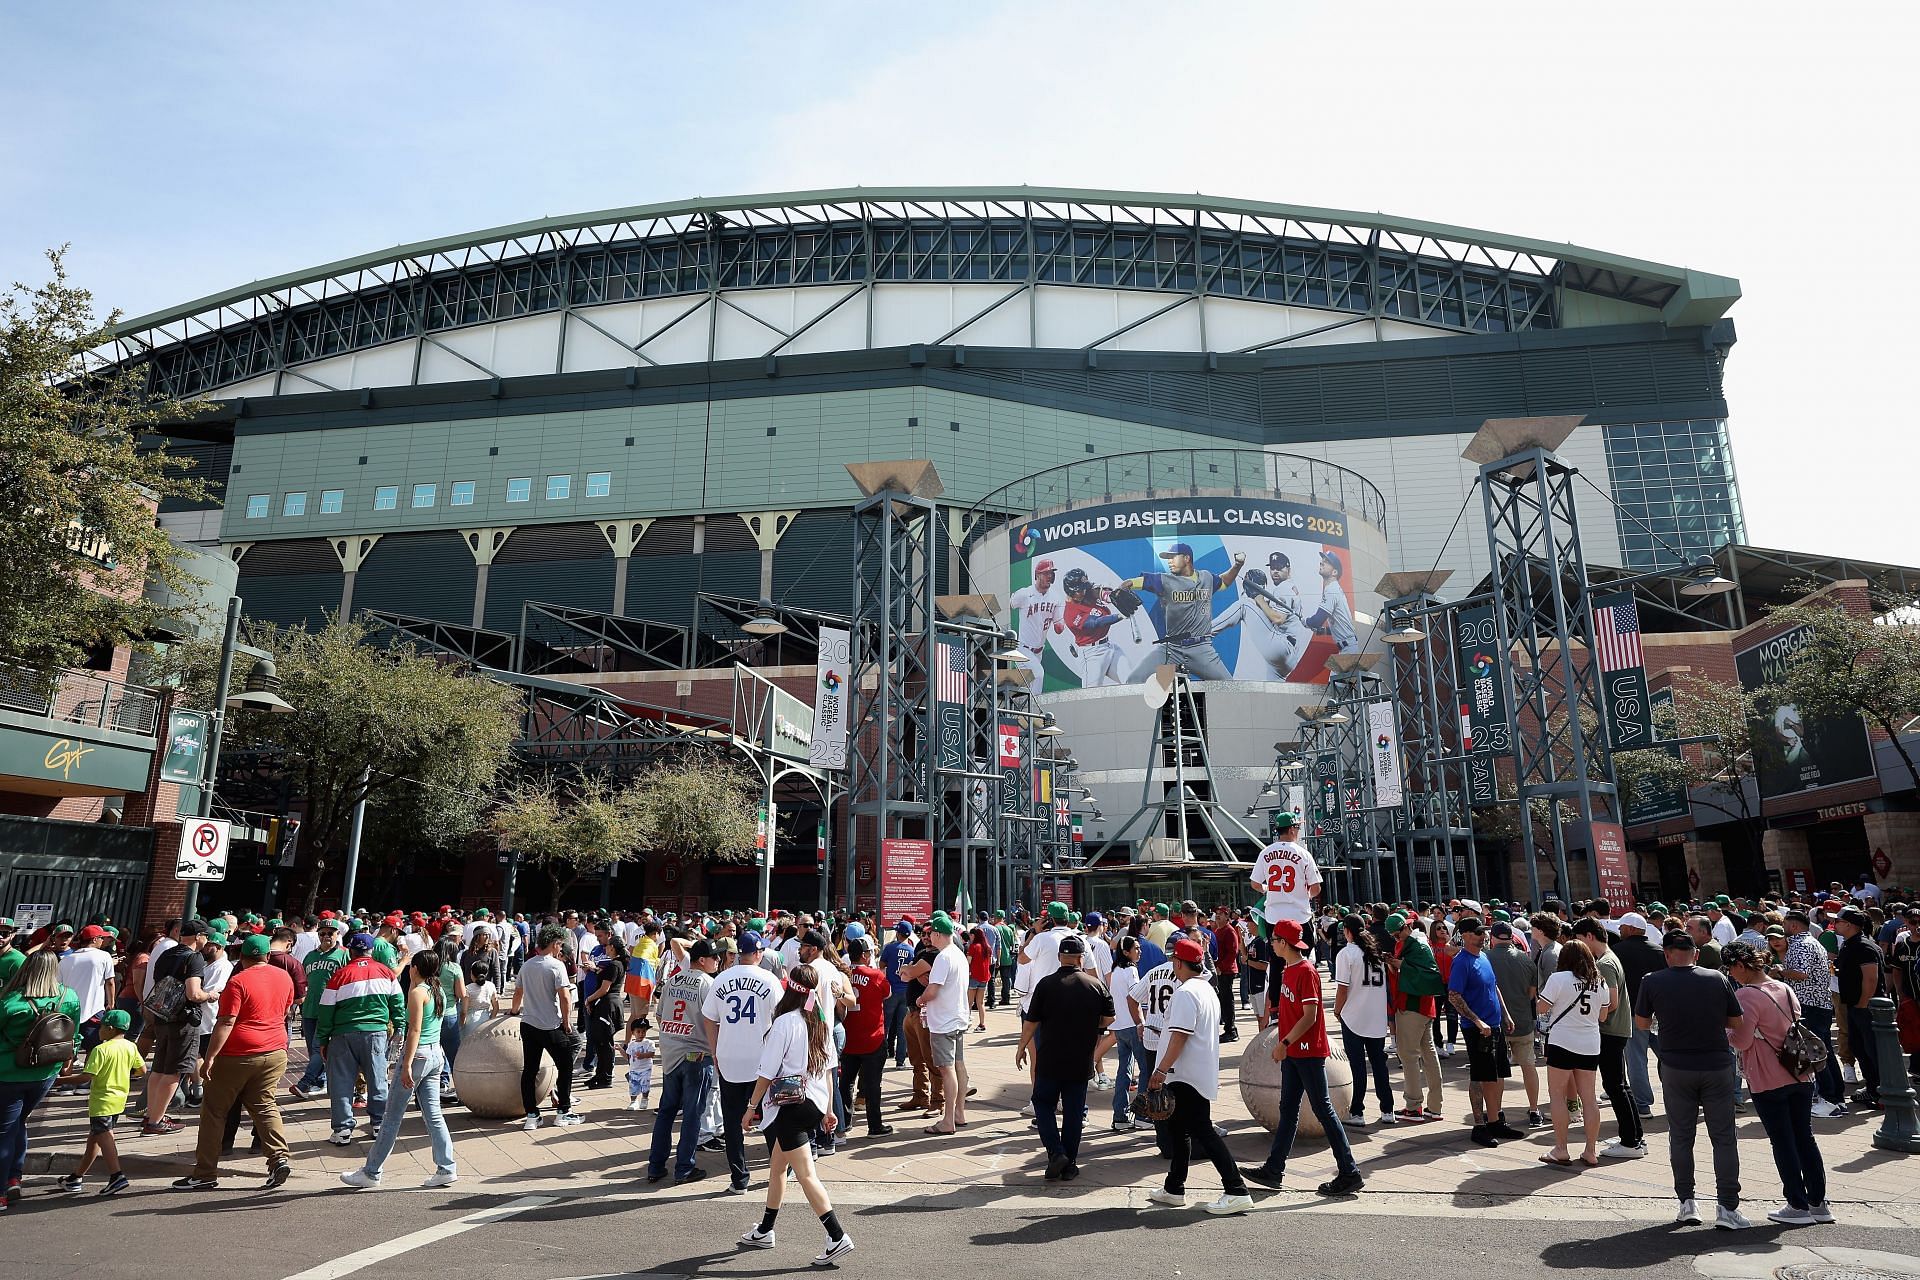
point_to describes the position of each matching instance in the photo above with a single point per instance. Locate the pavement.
(525, 1195)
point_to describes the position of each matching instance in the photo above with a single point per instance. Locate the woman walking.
(416, 1079)
(1783, 1099)
(34, 992)
(1360, 1005)
(979, 973)
(1123, 1036)
(1574, 1003)
(791, 1097)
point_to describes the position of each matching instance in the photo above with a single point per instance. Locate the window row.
(386, 497)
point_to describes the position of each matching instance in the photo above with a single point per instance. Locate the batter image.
(1186, 603)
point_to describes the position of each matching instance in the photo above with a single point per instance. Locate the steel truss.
(968, 826)
(1424, 678)
(557, 638)
(719, 637)
(1361, 825)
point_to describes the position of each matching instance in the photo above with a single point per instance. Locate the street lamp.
(1010, 650)
(1704, 579)
(1048, 729)
(262, 690)
(764, 622)
(1405, 634)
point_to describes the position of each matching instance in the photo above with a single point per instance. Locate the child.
(639, 1051)
(480, 992)
(111, 1065)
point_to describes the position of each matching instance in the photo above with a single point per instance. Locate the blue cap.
(856, 930)
(1093, 919)
(1177, 549)
(904, 926)
(750, 942)
(360, 942)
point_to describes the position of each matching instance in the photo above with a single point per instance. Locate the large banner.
(1231, 589)
(906, 879)
(952, 681)
(1795, 753)
(1383, 748)
(831, 699)
(1622, 671)
(1657, 802)
(1485, 726)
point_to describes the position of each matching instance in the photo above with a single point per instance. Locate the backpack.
(48, 1042)
(167, 1002)
(1800, 1051)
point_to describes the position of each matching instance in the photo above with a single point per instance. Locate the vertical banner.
(1326, 793)
(1658, 802)
(906, 879)
(1484, 722)
(1383, 749)
(1012, 780)
(185, 757)
(831, 692)
(951, 682)
(1610, 874)
(979, 803)
(1623, 672)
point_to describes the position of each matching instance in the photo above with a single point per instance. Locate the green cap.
(482, 914)
(110, 930)
(1657, 908)
(118, 1019)
(1074, 919)
(1396, 922)
(1160, 908)
(1722, 900)
(6, 922)
(1501, 915)
(1286, 818)
(941, 924)
(276, 924)
(257, 944)
(250, 918)
(217, 933)
(1057, 911)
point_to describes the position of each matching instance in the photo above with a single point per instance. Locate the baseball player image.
(1186, 603)
(1268, 613)
(1334, 616)
(1036, 610)
(1089, 618)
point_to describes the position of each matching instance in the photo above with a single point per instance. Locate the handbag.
(1800, 1051)
(788, 1090)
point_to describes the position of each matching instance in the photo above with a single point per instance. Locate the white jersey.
(1286, 872)
(1279, 644)
(1153, 992)
(1037, 612)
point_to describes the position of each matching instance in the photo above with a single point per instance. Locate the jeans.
(315, 1076)
(1126, 1051)
(733, 1109)
(1364, 1052)
(1787, 1115)
(1192, 1126)
(557, 1044)
(860, 1077)
(449, 1047)
(823, 1142)
(1613, 1078)
(1688, 1093)
(351, 1054)
(600, 1049)
(1006, 984)
(428, 1063)
(17, 1101)
(1061, 1138)
(1638, 1050)
(682, 1096)
(1820, 1021)
(896, 1007)
(1865, 1050)
(1307, 1077)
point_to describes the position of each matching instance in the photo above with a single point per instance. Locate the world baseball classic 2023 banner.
(1229, 589)
(832, 693)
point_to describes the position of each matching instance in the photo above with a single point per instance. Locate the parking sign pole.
(215, 730)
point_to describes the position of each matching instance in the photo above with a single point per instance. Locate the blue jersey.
(892, 956)
(1151, 957)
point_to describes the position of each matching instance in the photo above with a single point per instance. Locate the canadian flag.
(1009, 746)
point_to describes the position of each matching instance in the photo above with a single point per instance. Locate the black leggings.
(557, 1044)
(600, 1049)
(1193, 1125)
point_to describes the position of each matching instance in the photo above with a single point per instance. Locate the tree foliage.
(699, 807)
(570, 829)
(78, 539)
(1853, 664)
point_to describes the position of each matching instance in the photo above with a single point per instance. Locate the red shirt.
(1299, 990)
(1226, 947)
(1077, 615)
(867, 1025)
(257, 998)
(979, 961)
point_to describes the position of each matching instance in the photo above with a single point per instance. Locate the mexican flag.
(962, 904)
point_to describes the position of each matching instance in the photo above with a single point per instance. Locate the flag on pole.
(1616, 635)
(952, 683)
(962, 903)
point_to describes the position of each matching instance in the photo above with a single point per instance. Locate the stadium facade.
(628, 412)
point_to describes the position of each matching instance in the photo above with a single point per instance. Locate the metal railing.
(80, 697)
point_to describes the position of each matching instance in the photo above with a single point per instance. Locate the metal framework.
(494, 650)
(1190, 246)
(968, 824)
(1425, 684)
(556, 638)
(719, 636)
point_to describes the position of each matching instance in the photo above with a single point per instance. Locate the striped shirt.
(362, 995)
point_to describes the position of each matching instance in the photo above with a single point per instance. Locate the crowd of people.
(731, 1024)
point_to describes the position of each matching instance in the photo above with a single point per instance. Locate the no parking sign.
(203, 850)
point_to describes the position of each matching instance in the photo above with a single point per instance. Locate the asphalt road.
(317, 1233)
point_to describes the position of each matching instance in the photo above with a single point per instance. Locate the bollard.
(1900, 1126)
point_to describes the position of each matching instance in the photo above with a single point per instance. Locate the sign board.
(186, 747)
(906, 879)
(1383, 748)
(789, 726)
(832, 699)
(1881, 863)
(29, 916)
(1792, 752)
(1610, 872)
(1658, 801)
(203, 850)
(1060, 891)
(1799, 879)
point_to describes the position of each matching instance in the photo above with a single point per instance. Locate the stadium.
(586, 448)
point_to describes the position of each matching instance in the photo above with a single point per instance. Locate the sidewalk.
(1419, 1169)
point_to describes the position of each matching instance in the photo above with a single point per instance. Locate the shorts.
(1567, 1060)
(1486, 1055)
(976, 984)
(793, 1126)
(949, 1047)
(103, 1124)
(1520, 1049)
(176, 1047)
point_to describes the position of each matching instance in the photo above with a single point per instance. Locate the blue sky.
(183, 149)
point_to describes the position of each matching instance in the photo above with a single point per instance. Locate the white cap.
(1631, 920)
(1468, 904)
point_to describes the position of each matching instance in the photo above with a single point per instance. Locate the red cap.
(1831, 904)
(1288, 931)
(444, 908)
(394, 921)
(1043, 565)
(327, 915)
(1190, 951)
(89, 935)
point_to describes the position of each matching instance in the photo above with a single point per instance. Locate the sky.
(184, 149)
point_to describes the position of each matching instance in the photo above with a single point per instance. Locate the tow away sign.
(203, 850)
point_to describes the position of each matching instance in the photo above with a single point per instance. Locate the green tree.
(570, 828)
(701, 807)
(78, 539)
(1853, 664)
(407, 732)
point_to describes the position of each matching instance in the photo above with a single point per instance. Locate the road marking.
(373, 1255)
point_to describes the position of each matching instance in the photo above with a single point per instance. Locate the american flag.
(952, 685)
(1616, 634)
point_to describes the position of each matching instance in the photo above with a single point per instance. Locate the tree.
(1855, 664)
(405, 731)
(78, 539)
(571, 829)
(699, 807)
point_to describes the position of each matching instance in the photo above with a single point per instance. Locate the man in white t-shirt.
(306, 940)
(944, 1008)
(1099, 950)
(1041, 954)
(87, 971)
(1189, 1067)
(738, 1010)
(1286, 872)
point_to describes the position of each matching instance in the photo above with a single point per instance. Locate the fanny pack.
(788, 1090)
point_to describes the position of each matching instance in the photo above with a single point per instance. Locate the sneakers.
(1230, 1204)
(1172, 1199)
(304, 1094)
(835, 1250)
(756, 1239)
(1260, 1175)
(1689, 1216)
(150, 1128)
(1103, 1081)
(360, 1179)
(1625, 1151)
(715, 1143)
(1788, 1216)
(191, 1183)
(1345, 1185)
(1056, 1165)
(1821, 1213)
(568, 1119)
(1847, 1074)
(71, 1184)
(1427, 1115)
(1823, 1110)
(531, 1123)
(118, 1183)
(1409, 1115)
(341, 1137)
(1483, 1136)
(1125, 1124)
(1355, 1120)
(277, 1174)
(1027, 1110)
(1505, 1132)
(440, 1178)
(1445, 1051)
(1730, 1220)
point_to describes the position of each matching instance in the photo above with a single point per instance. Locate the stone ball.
(1260, 1085)
(486, 1070)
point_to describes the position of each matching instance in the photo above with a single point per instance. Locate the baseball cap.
(393, 920)
(1722, 900)
(1288, 931)
(327, 926)
(1160, 908)
(1831, 904)
(1057, 911)
(1856, 917)
(327, 915)
(1073, 945)
(1657, 909)
(943, 925)
(1043, 565)
(89, 934)
(360, 942)
(6, 922)
(1468, 904)
(725, 946)
(814, 938)
(62, 927)
(750, 942)
(1471, 924)
(1677, 940)
(1396, 922)
(701, 950)
(1500, 929)
(1330, 558)
(1188, 950)
(903, 926)
(217, 934)
(856, 931)
(1177, 549)
(118, 1019)
(1278, 560)
(1634, 920)
(1094, 920)
(257, 944)
(1776, 931)
(1286, 818)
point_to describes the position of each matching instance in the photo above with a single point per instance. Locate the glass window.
(259, 505)
(424, 494)
(331, 501)
(386, 497)
(519, 488)
(559, 487)
(599, 483)
(462, 495)
(294, 504)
